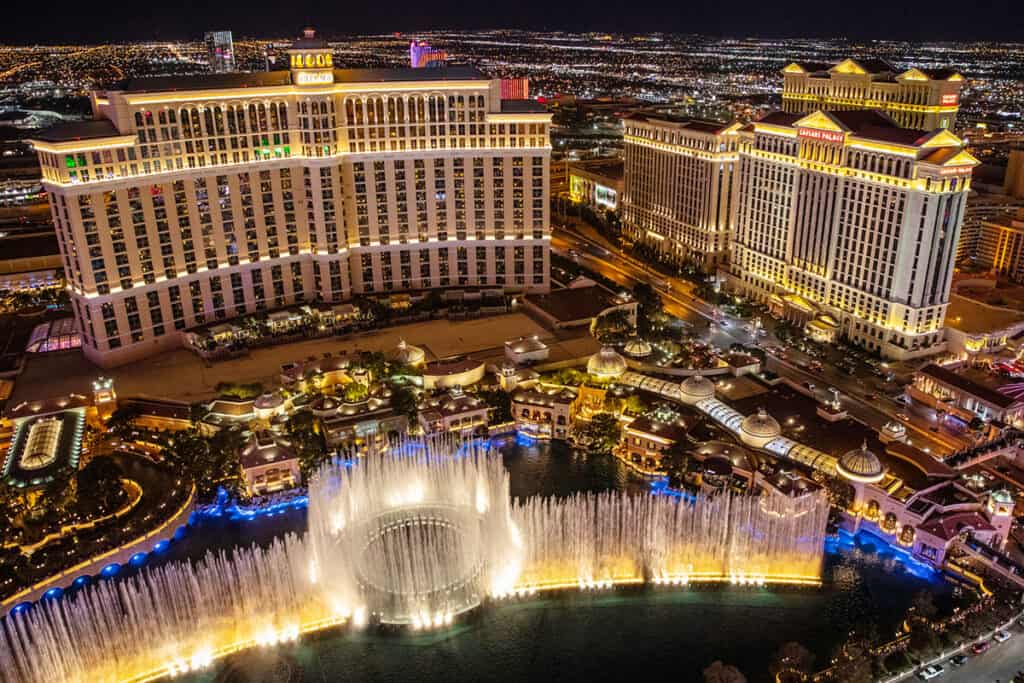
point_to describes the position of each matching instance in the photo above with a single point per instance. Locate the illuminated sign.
(322, 60)
(823, 135)
(950, 99)
(314, 77)
(956, 170)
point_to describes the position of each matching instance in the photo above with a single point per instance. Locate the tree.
(718, 672)
(791, 658)
(403, 400)
(603, 431)
(99, 485)
(308, 442)
(500, 405)
(634, 405)
(611, 325)
(676, 461)
(120, 422)
(355, 392)
(924, 605)
(240, 390)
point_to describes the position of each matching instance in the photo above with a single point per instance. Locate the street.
(1000, 663)
(861, 394)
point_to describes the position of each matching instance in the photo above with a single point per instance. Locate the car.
(1001, 636)
(958, 660)
(930, 672)
(903, 416)
(870, 396)
(980, 647)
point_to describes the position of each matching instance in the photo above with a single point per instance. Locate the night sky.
(54, 21)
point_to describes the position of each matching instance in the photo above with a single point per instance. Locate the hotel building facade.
(190, 200)
(849, 224)
(917, 98)
(679, 186)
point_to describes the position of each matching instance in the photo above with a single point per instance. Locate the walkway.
(731, 419)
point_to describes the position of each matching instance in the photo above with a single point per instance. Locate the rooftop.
(515, 106)
(262, 79)
(671, 431)
(78, 130)
(979, 383)
(572, 304)
(682, 122)
(971, 317)
(949, 526)
(612, 169)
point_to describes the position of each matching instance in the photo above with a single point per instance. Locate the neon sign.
(314, 77)
(956, 170)
(313, 61)
(823, 135)
(950, 99)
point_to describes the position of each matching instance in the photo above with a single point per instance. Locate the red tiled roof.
(947, 527)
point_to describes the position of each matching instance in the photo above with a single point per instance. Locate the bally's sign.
(320, 60)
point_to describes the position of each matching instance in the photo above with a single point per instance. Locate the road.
(1000, 663)
(861, 393)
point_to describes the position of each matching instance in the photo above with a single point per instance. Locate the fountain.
(413, 537)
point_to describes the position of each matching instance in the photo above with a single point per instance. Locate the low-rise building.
(357, 425)
(928, 521)
(646, 440)
(453, 411)
(544, 413)
(526, 350)
(974, 328)
(269, 464)
(578, 305)
(447, 373)
(967, 393)
(596, 183)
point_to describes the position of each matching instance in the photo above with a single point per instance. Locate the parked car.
(958, 660)
(1001, 636)
(980, 647)
(930, 672)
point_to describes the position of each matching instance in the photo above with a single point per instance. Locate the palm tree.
(718, 672)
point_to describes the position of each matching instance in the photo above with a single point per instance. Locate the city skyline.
(64, 21)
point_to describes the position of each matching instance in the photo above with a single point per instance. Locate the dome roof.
(696, 388)
(268, 401)
(637, 348)
(324, 404)
(760, 426)
(606, 363)
(526, 344)
(407, 354)
(860, 464)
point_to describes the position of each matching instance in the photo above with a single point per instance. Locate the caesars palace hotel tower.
(193, 199)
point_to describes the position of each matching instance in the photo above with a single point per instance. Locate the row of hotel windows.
(686, 139)
(377, 273)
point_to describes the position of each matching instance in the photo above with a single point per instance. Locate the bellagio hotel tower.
(188, 200)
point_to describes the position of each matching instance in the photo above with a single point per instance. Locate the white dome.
(637, 348)
(759, 428)
(861, 465)
(696, 388)
(407, 354)
(606, 363)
